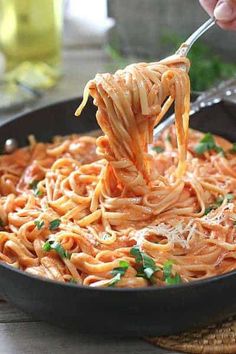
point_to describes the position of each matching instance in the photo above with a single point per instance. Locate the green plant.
(206, 67)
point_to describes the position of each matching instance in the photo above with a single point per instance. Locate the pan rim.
(193, 284)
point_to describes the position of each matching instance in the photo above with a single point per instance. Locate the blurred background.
(49, 49)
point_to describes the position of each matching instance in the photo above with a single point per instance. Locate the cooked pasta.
(121, 209)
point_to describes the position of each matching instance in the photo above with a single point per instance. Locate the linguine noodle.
(123, 210)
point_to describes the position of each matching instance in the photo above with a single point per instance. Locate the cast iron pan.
(150, 311)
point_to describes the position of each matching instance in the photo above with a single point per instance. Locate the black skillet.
(151, 311)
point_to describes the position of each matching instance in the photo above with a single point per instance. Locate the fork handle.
(186, 46)
(206, 99)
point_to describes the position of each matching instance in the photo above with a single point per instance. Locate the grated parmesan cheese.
(174, 234)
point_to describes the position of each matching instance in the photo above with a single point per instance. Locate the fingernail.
(224, 11)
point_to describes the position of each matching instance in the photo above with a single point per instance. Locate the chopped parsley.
(169, 278)
(233, 149)
(114, 280)
(56, 246)
(73, 281)
(168, 138)
(219, 200)
(54, 224)
(34, 186)
(208, 209)
(229, 197)
(106, 237)
(39, 224)
(207, 143)
(118, 272)
(158, 149)
(146, 265)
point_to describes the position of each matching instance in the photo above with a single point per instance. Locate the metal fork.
(208, 98)
(186, 46)
(183, 51)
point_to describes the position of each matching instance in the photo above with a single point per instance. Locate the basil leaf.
(54, 224)
(169, 278)
(207, 143)
(147, 267)
(158, 149)
(39, 224)
(56, 246)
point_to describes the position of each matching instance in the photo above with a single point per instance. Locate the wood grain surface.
(20, 334)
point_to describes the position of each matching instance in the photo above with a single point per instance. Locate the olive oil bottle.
(30, 35)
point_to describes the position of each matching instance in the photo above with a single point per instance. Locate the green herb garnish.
(208, 209)
(114, 280)
(118, 272)
(34, 186)
(228, 196)
(218, 202)
(169, 278)
(207, 143)
(233, 149)
(147, 266)
(54, 224)
(106, 236)
(123, 266)
(207, 68)
(56, 246)
(39, 224)
(168, 138)
(158, 149)
(73, 281)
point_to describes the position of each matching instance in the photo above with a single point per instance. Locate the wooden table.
(20, 334)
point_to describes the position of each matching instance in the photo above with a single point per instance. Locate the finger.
(227, 25)
(208, 6)
(225, 11)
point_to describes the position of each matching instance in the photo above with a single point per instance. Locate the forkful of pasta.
(207, 98)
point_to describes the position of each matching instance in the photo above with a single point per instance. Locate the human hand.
(223, 10)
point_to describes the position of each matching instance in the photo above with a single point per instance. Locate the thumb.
(225, 10)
